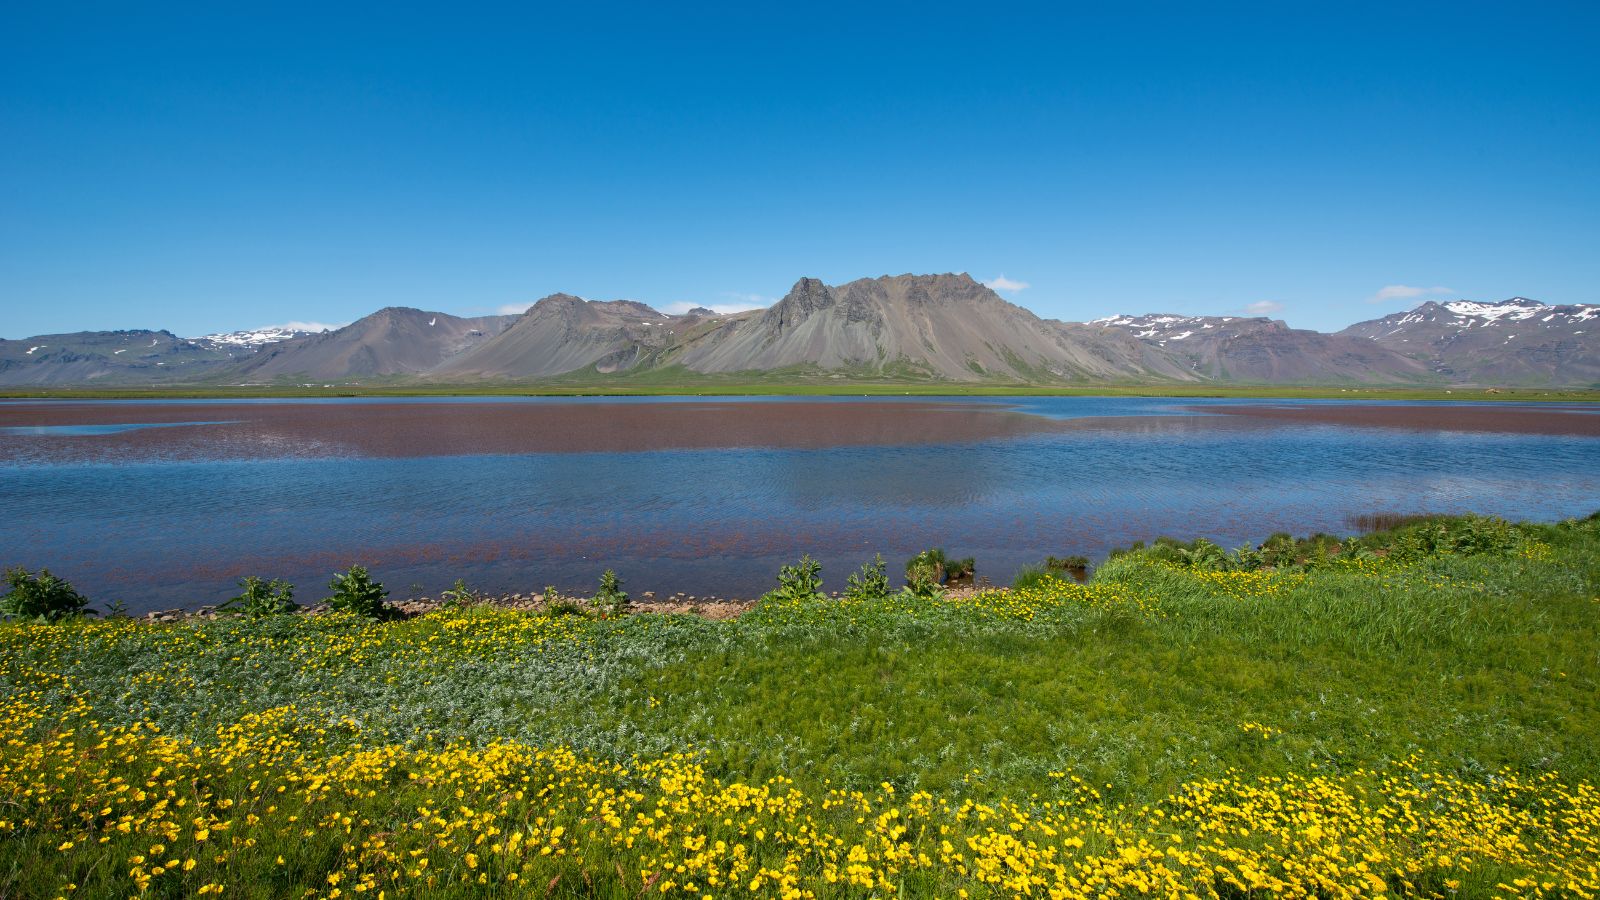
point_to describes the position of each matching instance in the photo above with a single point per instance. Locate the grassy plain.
(738, 388)
(1363, 727)
(679, 382)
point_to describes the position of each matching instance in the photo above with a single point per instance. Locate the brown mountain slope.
(934, 326)
(110, 357)
(562, 333)
(1258, 350)
(392, 341)
(1518, 341)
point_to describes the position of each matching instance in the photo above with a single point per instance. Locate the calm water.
(160, 533)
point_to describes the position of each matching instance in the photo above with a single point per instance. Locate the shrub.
(802, 581)
(925, 575)
(610, 599)
(355, 591)
(1466, 535)
(1249, 558)
(869, 582)
(927, 566)
(923, 590)
(1279, 550)
(42, 597)
(262, 598)
(1203, 554)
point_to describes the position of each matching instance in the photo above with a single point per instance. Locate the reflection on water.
(159, 534)
(91, 429)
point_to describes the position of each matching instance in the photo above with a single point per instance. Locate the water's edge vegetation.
(1412, 712)
(734, 387)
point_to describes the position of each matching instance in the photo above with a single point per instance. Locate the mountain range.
(904, 327)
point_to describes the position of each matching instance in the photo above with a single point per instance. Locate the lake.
(163, 504)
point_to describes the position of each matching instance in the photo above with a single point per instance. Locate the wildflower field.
(1425, 724)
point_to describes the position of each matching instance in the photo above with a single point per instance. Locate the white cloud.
(733, 303)
(1391, 292)
(1006, 284)
(1262, 308)
(514, 309)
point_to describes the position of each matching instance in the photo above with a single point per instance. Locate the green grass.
(1484, 661)
(800, 385)
(1476, 663)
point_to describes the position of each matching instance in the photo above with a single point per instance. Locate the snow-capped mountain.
(255, 338)
(1261, 350)
(1516, 340)
(944, 327)
(1163, 327)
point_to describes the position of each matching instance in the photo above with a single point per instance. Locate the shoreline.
(710, 608)
(1566, 394)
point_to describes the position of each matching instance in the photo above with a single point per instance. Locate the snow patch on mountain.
(256, 338)
(1513, 309)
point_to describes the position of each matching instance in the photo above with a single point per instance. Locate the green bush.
(42, 597)
(927, 566)
(1203, 554)
(1462, 535)
(869, 582)
(355, 591)
(610, 599)
(802, 581)
(925, 575)
(262, 598)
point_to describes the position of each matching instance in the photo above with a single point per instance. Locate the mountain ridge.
(936, 327)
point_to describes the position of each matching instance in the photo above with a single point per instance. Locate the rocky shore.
(706, 607)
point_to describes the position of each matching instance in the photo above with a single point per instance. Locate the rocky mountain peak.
(632, 308)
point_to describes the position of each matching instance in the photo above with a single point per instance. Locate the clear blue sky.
(209, 168)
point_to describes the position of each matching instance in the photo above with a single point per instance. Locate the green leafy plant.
(262, 598)
(927, 566)
(1249, 558)
(610, 599)
(459, 594)
(42, 597)
(869, 582)
(1203, 554)
(925, 574)
(801, 581)
(355, 591)
(557, 605)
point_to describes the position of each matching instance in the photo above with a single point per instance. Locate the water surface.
(173, 516)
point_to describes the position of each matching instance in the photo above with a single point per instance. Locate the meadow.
(1413, 715)
(786, 384)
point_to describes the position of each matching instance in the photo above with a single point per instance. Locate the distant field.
(1414, 714)
(726, 387)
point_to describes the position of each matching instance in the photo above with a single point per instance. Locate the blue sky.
(217, 167)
